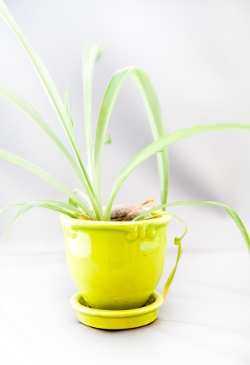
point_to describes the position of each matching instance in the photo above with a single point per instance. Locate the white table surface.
(204, 320)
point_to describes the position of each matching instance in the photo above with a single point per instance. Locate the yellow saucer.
(117, 319)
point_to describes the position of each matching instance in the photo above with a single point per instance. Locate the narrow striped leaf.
(155, 118)
(55, 205)
(46, 176)
(3, 210)
(229, 210)
(46, 202)
(84, 196)
(41, 70)
(90, 54)
(158, 146)
(50, 89)
(66, 102)
(28, 109)
(177, 242)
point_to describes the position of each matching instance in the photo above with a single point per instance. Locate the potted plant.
(115, 254)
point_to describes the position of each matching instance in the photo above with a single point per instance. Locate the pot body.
(115, 265)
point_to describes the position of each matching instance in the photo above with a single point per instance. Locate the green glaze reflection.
(80, 245)
(115, 265)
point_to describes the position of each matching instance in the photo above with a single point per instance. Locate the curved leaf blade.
(28, 109)
(229, 210)
(155, 118)
(41, 70)
(51, 91)
(158, 146)
(46, 176)
(55, 205)
(157, 125)
(10, 207)
(66, 101)
(178, 243)
(90, 55)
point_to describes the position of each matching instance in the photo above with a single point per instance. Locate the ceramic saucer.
(117, 319)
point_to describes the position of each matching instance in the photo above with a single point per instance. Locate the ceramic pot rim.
(74, 222)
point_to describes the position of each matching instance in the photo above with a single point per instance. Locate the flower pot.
(115, 265)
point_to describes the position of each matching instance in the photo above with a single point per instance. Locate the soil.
(127, 212)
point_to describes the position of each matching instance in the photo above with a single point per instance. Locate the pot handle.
(177, 242)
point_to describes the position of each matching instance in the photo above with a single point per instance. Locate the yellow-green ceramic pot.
(115, 265)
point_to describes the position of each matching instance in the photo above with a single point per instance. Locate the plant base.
(117, 319)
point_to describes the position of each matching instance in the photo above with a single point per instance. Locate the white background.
(197, 54)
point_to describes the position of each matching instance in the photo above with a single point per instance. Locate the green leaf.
(155, 118)
(66, 101)
(157, 125)
(44, 175)
(108, 139)
(158, 146)
(55, 205)
(90, 54)
(10, 207)
(40, 69)
(71, 202)
(177, 242)
(28, 109)
(84, 196)
(229, 210)
(50, 89)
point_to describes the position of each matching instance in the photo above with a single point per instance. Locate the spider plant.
(88, 204)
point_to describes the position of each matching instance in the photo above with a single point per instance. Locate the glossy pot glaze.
(115, 265)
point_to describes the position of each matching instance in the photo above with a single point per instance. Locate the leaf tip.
(108, 139)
